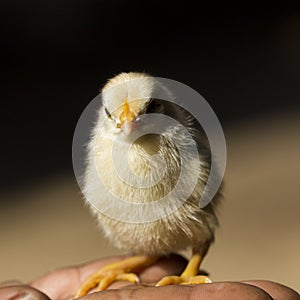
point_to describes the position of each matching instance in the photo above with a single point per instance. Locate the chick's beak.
(126, 119)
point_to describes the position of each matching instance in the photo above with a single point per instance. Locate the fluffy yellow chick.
(121, 160)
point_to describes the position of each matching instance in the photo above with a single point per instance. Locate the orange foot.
(117, 271)
(189, 275)
(168, 280)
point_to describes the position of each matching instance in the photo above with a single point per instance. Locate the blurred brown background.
(55, 57)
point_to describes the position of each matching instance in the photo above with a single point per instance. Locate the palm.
(62, 284)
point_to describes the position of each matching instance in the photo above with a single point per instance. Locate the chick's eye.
(153, 107)
(107, 113)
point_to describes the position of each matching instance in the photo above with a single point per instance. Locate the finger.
(21, 292)
(212, 291)
(276, 290)
(171, 265)
(10, 283)
(63, 283)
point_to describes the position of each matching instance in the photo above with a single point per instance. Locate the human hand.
(62, 285)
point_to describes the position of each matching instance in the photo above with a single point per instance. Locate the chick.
(128, 103)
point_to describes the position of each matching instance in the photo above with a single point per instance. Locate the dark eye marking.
(107, 113)
(153, 107)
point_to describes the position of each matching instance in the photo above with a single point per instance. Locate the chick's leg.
(121, 270)
(189, 275)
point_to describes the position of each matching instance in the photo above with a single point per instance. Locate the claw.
(131, 277)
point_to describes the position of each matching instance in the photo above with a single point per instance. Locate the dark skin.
(62, 284)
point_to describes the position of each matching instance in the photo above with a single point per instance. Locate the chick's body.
(187, 226)
(128, 99)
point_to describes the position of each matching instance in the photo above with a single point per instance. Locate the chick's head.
(128, 96)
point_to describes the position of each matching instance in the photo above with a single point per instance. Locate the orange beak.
(127, 115)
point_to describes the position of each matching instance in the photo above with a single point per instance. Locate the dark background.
(56, 55)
